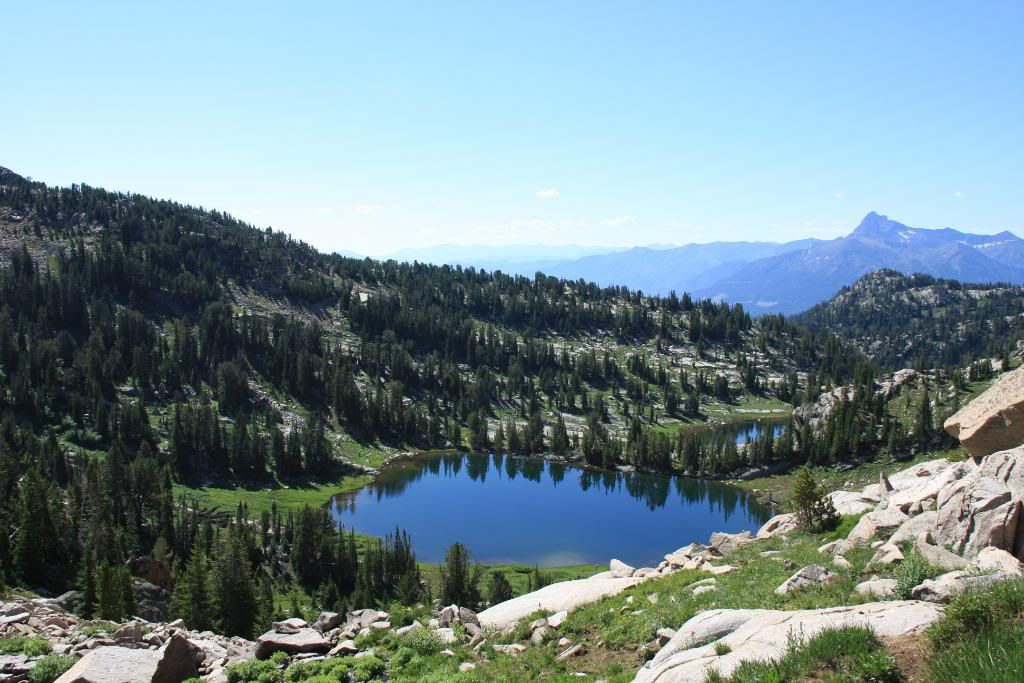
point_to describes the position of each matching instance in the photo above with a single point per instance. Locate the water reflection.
(526, 510)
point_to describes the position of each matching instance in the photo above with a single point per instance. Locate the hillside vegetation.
(920, 321)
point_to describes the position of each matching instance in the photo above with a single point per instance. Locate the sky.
(378, 126)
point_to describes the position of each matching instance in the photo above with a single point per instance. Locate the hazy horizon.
(374, 128)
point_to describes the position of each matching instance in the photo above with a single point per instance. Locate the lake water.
(528, 511)
(747, 431)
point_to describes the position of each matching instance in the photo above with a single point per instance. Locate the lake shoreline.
(550, 511)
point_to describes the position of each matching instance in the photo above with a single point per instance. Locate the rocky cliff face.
(994, 421)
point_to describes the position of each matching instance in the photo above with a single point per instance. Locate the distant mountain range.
(766, 277)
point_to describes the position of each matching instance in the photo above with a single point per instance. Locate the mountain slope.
(197, 319)
(899, 320)
(795, 281)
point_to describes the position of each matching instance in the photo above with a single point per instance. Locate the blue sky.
(375, 126)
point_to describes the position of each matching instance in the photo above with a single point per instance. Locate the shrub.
(911, 572)
(49, 668)
(722, 649)
(423, 642)
(254, 671)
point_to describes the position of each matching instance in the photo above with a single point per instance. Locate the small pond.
(527, 511)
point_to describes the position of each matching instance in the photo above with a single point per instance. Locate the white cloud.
(550, 193)
(325, 210)
(839, 195)
(959, 195)
(366, 209)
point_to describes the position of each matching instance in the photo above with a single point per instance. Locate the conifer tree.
(191, 599)
(459, 580)
(499, 589)
(814, 510)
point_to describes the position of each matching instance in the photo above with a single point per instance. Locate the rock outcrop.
(994, 421)
(758, 635)
(565, 595)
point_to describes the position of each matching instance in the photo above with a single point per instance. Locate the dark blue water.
(746, 432)
(527, 511)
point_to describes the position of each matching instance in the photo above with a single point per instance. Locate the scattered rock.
(446, 635)
(343, 648)
(328, 621)
(620, 570)
(812, 575)
(408, 629)
(779, 524)
(887, 553)
(998, 560)
(940, 557)
(942, 588)
(726, 543)
(879, 588)
(577, 649)
(556, 619)
(759, 635)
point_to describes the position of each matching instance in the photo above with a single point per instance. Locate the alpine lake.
(517, 510)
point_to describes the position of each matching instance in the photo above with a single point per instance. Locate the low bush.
(49, 668)
(912, 572)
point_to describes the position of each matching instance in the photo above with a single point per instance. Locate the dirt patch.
(912, 654)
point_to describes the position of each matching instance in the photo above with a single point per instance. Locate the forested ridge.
(921, 321)
(143, 343)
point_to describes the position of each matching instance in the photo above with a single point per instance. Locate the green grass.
(981, 637)
(627, 625)
(849, 654)
(314, 494)
(20, 645)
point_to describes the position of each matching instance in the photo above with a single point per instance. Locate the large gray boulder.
(303, 640)
(938, 556)
(760, 634)
(113, 665)
(565, 595)
(949, 585)
(620, 570)
(779, 524)
(725, 543)
(993, 421)
(877, 522)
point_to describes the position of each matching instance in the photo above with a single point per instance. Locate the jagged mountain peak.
(875, 225)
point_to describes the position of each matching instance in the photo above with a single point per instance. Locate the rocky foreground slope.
(963, 517)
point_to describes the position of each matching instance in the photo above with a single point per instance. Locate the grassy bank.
(260, 499)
